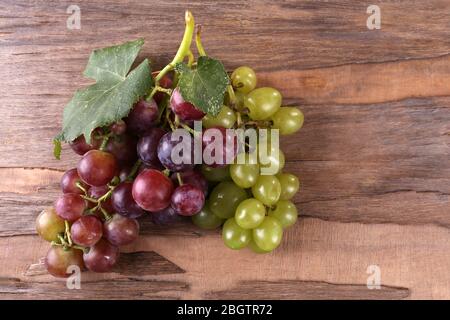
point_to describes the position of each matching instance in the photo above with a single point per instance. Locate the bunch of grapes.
(127, 172)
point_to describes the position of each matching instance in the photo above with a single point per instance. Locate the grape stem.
(198, 41)
(180, 180)
(134, 170)
(67, 232)
(182, 52)
(104, 143)
(80, 186)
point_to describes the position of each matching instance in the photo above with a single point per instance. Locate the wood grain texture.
(373, 155)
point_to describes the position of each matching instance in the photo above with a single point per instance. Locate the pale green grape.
(226, 119)
(225, 198)
(268, 234)
(289, 185)
(253, 247)
(205, 219)
(263, 103)
(216, 174)
(234, 236)
(288, 120)
(49, 224)
(272, 159)
(267, 189)
(243, 79)
(246, 174)
(250, 213)
(285, 212)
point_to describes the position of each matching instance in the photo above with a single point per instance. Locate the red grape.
(58, 259)
(97, 168)
(183, 109)
(187, 200)
(152, 190)
(101, 257)
(194, 178)
(70, 206)
(120, 230)
(123, 202)
(69, 180)
(165, 148)
(80, 146)
(148, 145)
(86, 231)
(123, 148)
(142, 117)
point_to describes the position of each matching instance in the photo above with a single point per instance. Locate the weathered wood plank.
(306, 290)
(14, 288)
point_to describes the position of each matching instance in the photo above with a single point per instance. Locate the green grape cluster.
(254, 208)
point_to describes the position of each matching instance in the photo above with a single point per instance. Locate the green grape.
(285, 212)
(288, 120)
(289, 185)
(250, 213)
(253, 247)
(267, 189)
(205, 219)
(225, 198)
(216, 174)
(226, 119)
(49, 225)
(271, 159)
(243, 79)
(234, 236)
(246, 174)
(268, 234)
(263, 103)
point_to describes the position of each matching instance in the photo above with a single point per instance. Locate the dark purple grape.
(59, 259)
(185, 160)
(69, 182)
(187, 200)
(125, 172)
(142, 117)
(86, 231)
(70, 206)
(229, 146)
(184, 110)
(165, 217)
(120, 230)
(147, 147)
(118, 128)
(123, 202)
(152, 190)
(123, 148)
(97, 168)
(101, 257)
(194, 178)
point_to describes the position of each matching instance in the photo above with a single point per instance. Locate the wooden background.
(373, 155)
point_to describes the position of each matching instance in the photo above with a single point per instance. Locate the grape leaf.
(204, 86)
(113, 94)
